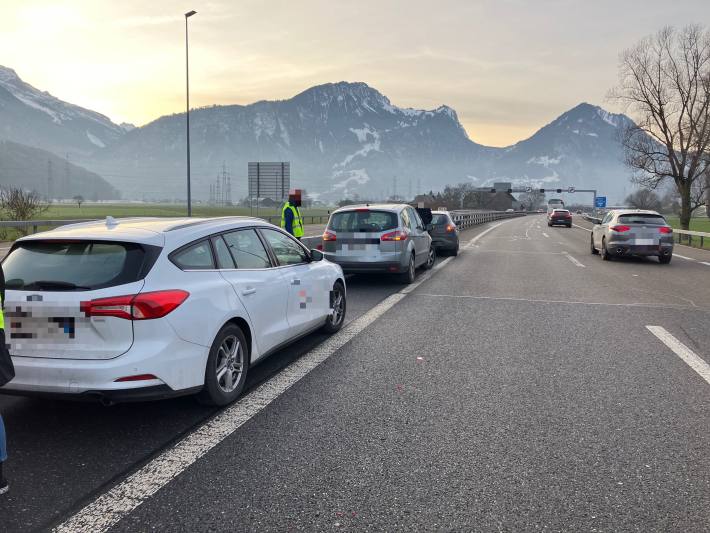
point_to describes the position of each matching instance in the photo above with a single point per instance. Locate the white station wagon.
(149, 308)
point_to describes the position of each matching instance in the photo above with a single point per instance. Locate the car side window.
(247, 249)
(224, 258)
(415, 218)
(197, 256)
(286, 249)
(607, 218)
(406, 222)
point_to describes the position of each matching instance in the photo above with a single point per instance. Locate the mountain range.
(341, 139)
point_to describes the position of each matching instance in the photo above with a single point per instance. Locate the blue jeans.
(3, 444)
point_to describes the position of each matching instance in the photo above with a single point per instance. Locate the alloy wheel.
(230, 364)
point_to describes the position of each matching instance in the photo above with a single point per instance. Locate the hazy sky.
(507, 66)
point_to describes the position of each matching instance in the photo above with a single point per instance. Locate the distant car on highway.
(510, 210)
(628, 232)
(379, 238)
(444, 233)
(559, 217)
(141, 309)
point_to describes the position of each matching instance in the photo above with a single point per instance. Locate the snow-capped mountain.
(35, 118)
(347, 138)
(341, 138)
(50, 176)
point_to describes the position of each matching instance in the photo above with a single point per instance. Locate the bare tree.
(17, 204)
(664, 82)
(644, 199)
(79, 199)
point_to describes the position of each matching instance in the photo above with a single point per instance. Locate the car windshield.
(440, 220)
(363, 221)
(75, 265)
(643, 218)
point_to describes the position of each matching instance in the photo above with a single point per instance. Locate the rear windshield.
(440, 220)
(560, 212)
(363, 221)
(643, 218)
(75, 265)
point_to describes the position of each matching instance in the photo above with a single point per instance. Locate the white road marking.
(704, 263)
(681, 350)
(109, 508)
(574, 260)
(581, 227)
(683, 257)
(473, 241)
(570, 302)
(545, 234)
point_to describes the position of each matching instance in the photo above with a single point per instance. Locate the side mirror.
(316, 255)
(429, 227)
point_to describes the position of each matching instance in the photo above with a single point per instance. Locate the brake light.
(568, 215)
(144, 306)
(666, 230)
(620, 229)
(362, 210)
(450, 228)
(395, 236)
(329, 236)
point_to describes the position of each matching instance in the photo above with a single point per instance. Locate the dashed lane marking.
(574, 260)
(121, 500)
(581, 227)
(693, 360)
(545, 234)
(705, 263)
(683, 257)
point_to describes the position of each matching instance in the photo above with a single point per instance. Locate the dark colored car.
(559, 217)
(444, 233)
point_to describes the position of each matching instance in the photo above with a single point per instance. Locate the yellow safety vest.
(2, 319)
(297, 220)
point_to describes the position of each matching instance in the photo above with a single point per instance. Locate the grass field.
(100, 211)
(62, 212)
(696, 224)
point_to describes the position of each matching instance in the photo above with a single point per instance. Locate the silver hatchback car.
(379, 238)
(633, 232)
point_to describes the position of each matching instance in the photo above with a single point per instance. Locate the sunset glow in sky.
(507, 66)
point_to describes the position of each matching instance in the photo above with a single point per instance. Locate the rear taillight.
(144, 306)
(450, 228)
(568, 216)
(395, 236)
(329, 236)
(666, 230)
(620, 229)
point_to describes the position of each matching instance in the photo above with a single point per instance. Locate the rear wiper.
(54, 285)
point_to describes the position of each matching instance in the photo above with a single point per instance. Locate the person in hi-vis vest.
(291, 219)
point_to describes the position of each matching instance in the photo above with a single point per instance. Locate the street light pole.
(187, 114)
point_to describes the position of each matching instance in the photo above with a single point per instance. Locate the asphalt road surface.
(524, 385)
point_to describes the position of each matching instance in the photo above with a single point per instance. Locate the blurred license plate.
(644, 242)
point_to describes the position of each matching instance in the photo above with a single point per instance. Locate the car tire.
(455, 251)
(604, 252)
(335, 322)
(592, 248)
(431, 259)
(230, 360)
(569, 226)
(665, 259)
(408, 276)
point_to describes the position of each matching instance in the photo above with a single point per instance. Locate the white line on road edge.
(704, 263)
(582, 227)
(683, 257)
(545, 234)
(109, 508)
(682, 351)
(112, 506)
(575, 261)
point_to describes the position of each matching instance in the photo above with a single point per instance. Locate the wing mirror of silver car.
(316, 255)
(429, 227)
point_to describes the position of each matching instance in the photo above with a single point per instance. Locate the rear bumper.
(177, 364)
(621, 249)
(445, 242)
(142, 394)
(364, 268)
(559, 222)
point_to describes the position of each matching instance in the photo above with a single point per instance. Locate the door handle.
(248, 291)
(295, 281)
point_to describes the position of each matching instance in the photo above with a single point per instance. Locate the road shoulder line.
(693, 360)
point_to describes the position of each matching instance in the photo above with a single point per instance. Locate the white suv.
(150, 308)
